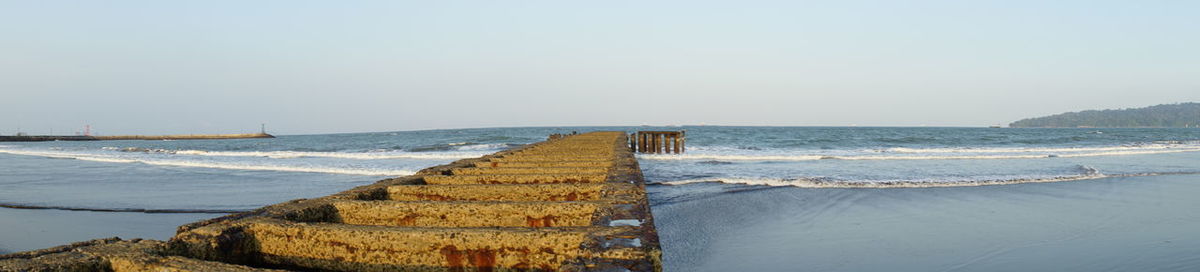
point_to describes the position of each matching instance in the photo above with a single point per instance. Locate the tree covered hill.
(1166, 115)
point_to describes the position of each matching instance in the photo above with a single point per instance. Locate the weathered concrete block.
(529, 170)
(538, 158)
(465, 214)
(545, 164)
(516, 179)
(513, 192)
(340, 247)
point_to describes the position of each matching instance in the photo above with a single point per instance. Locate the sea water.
(766, 198)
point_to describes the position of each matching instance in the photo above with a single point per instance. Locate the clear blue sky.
(335, 66)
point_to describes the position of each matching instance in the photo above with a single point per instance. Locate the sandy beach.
(34, 229)
(1115, 224)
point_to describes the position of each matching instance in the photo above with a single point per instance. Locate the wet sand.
(24, 230)
(1115, 224)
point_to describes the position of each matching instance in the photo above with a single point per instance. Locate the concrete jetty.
(47, 138)
(573, 203)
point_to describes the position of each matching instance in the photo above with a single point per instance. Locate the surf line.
(838, 184)
(131, 210)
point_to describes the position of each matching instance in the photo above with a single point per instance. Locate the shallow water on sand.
(22, 230)
(54, 182)
(1113, 224)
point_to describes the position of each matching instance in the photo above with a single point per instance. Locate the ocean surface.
(757, 198)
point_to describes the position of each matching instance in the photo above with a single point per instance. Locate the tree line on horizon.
(1166, 115)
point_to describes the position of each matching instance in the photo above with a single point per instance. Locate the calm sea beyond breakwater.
(757, 198)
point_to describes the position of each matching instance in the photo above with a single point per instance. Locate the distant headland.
(1166, 115)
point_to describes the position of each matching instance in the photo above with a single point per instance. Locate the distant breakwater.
(46, 138)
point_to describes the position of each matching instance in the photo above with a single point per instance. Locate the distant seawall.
(33, 138)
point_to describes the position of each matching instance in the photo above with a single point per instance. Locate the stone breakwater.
(575, 203)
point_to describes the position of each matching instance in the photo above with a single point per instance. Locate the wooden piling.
(683, 141)
(666, 146)
(653, 143)
(666, 143)
(642, 145)
(643, 140)
(675, 143)
(638, 142)
(661, 140)
(633, 142)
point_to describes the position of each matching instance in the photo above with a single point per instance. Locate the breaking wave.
(339, 155)
(490, 147)
(461, 146)
(940, 154)
(1089, 174)
(382, 155)
(824, 183)
(715, 157)
(216, 165)
(1171, 145)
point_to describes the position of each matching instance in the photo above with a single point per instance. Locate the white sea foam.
(1088, 173)
(339, 155)
(1143, 147)
(465, 150)
(731, 157)
(480, 147)
(216, 165)
(307, 169)
(1027, 156)
(822, 183)
(934, 155)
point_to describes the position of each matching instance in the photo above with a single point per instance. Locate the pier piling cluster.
(658, 142)
(573, 203)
